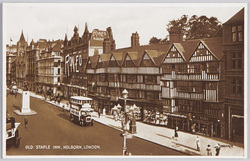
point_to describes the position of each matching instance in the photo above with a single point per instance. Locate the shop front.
(136, 104)
(207, 126)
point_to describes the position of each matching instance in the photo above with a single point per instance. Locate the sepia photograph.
(124, 80)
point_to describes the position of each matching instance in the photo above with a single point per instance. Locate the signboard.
(99, 35)
(72, 63)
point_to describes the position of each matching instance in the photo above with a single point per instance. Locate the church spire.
(66, 38)
(86, 26)
(22, 37)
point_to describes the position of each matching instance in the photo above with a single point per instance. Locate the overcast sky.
(52, 21)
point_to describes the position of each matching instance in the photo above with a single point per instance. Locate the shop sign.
(72, 63)
(99, 35)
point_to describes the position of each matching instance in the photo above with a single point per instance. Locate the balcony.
(102, 83)
(101, 70)
(113, 69)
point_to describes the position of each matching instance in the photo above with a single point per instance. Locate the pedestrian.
(217, 149)
(209, 150)
(7, 116)
(175, 132)
(233, 136)
(99, 113)
(26, 122)
(193, 128)
(198, 143)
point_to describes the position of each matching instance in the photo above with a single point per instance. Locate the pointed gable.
(104, 58)
(147, 60)
(214, 45)
(128, 61)
(89, 64)
(237, 18)
(119, 56)
(174, 55)
(113, 62)
(99, 62)
(208, 50)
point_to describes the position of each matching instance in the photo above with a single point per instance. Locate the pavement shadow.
(164, 136)
(64, 115)
(16, 107)
(184, 146)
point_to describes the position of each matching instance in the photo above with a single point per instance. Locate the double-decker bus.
(81, 110)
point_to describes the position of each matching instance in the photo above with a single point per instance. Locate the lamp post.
(133, 119)
(125, 96)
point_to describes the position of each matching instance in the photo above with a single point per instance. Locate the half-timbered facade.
(193, 82)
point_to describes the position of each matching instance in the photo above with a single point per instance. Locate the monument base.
(31, 112)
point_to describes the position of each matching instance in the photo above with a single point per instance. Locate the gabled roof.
(105, 59)
(187, 48)
(141, 49)
(57, 47)
(133, 56)
(237, 18)
(214, 45)
(154, 55)
(94, 60)
(119, 57)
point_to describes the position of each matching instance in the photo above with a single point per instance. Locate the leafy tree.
(154, 40)
(179, 24)
(195, 27)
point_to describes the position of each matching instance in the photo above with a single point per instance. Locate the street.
(50, 132)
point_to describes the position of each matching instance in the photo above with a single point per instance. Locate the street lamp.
(125, 96)
(133, 119)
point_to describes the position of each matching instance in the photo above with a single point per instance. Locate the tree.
(154, 40)
(179, 24)
(195, 27)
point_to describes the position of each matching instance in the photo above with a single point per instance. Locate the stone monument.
(25, 110)
(26, 102)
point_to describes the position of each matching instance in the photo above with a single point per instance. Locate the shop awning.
(238, 116)
(175, 115)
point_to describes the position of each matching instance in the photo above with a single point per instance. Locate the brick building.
(76, 52)
(233, 48)
(50, 66)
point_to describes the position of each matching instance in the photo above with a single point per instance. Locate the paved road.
(52, 127)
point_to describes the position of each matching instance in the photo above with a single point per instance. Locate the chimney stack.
(106, 46)
(135, 40)
(175, 35)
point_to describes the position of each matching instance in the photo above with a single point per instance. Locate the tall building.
(49, 66)
(21, 61)
(233, 48)
(76, 52)
(33, 52)
(11, 52)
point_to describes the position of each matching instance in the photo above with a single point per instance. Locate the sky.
(54, 20)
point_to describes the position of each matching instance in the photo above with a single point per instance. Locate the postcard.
(124, 80)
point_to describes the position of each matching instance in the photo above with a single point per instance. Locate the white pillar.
(25, 102)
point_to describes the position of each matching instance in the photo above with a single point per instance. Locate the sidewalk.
(163, 136)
